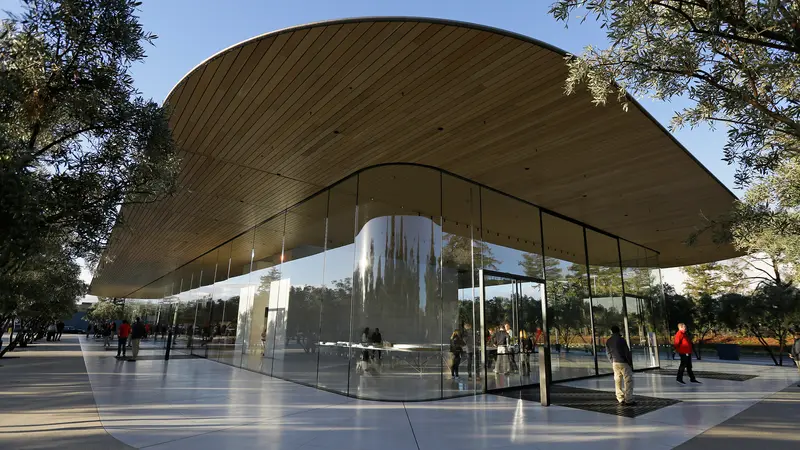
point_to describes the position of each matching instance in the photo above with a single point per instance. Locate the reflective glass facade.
(404, 282)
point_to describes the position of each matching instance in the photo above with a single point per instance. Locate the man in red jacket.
(124, 331)
(683, 346)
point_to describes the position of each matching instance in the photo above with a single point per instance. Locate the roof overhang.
(268, 122)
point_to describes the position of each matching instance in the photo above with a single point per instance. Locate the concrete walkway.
(46, 401)
(773, 424)
(52, 401)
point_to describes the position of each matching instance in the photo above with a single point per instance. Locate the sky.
(190, 31)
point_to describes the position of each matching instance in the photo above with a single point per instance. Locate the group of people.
(368, 356)
(54, 331)
(507, 349)
(619, 353)
(135, 332)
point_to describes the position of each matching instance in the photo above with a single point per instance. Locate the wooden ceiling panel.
(265, 124)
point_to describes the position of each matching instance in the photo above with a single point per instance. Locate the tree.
(105, 310)
(705, 314)
(77, 140)
(702, 279)
(736, 62)
(45, 291)
(533, 266)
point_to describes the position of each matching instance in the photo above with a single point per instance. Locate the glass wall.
(402, 282)
(573, 353)
(605, 285)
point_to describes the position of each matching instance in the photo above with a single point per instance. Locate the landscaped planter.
(728, 352)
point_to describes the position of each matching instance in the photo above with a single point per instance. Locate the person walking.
(122, 341)
(138, 332)
(88, 331)
(622, 362)
(456, 348)
(683, 346)
(795, 353)
(59, 330)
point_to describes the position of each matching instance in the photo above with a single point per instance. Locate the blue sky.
(190, 31)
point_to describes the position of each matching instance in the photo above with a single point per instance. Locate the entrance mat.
(708, 375)
(161, 357)
(591, 400)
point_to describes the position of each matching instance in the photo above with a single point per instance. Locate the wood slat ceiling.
(268, 122)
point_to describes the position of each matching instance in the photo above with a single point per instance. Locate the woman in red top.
(124, 332)
(683, 346)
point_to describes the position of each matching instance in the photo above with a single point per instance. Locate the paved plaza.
(73, 394)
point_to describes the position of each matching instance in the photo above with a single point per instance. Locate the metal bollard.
(544, 375)
(169, 345)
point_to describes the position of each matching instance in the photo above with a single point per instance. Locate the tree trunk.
(11, 346)
(782, 343)
(766, 346)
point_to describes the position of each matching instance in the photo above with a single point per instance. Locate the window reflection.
(397, 284)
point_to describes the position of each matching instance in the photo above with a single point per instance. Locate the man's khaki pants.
(136, 348)
(623, 373)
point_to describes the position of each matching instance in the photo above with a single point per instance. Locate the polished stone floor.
(199, 404)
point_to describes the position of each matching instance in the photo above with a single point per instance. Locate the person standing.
(469, 342)
(456, 348)
(503, 342)
(622, 362)
(124, 331)
(377, 341)
(59, 330)
(526, 348)
(795, 353)
(683, 346)
(106, 336)
(88, 331)
(138, 332)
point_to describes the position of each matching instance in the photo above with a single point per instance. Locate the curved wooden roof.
(266, 123)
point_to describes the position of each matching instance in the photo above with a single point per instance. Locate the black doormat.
(160, 357)
(592, 400)
(708, 375)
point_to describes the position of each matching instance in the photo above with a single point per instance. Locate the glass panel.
(229, 292)
(606, 289)
(567, 293)
(639, 304)
(397, 287)
(268, 301)
(460, 302)
(334, 348)
(513, 315)
(511, 235)
(302, 286)
(239, 280)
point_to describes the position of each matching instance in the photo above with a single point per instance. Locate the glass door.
(642, 332)
(511, 324)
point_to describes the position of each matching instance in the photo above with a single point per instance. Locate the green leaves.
(76, 139)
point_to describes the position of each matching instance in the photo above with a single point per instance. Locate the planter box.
(728, 352)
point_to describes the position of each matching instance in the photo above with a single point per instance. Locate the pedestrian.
(456, 348)
(622, 362)
(795, 353)
(59, 330)
(503, 342)
(106, 336)
(124, 331)
(51, 332)
(88, 331)
(683, 346)
(377, 341)
(469, 340)
(138, 332)
(526, 348)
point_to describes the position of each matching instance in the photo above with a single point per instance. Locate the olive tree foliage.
(40, 294)
(737, 62)
(105, 310)
(77, 140)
